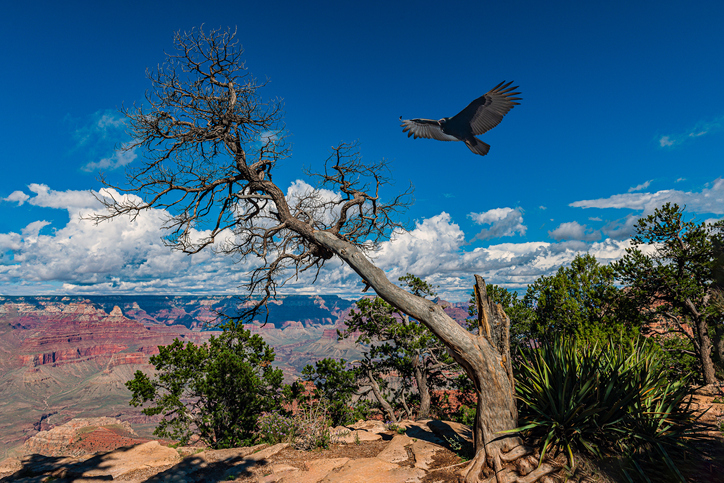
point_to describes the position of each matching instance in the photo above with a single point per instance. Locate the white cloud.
(700, 129)
(574, 231)
(666, 141)
(640, 187)
(71, 200)
(101, 125)
(117, 160)
(121, 256)
(17, 196)
(269, 136)
(708, 200)
(503, 221)
(432, 245)
(33, 229)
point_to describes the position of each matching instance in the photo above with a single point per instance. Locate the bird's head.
(441, 122)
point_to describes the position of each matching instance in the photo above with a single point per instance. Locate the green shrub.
(337, 386)
(214, 391)
(601, 400)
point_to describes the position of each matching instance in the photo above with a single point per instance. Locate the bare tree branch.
(210, 145)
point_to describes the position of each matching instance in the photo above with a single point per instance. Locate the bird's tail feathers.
(477, 146)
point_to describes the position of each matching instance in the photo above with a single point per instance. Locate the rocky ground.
(82, 450)
(102, 449)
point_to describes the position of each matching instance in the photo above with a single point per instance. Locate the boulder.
(358, 436)
(450, 430)
(396, 450)
(424, 453)
(122, 461)
(420, 430)
(373, 470)
(56, 441)
(372, 426)
(10, 465)
(281, 472)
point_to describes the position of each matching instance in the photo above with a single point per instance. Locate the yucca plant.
(613, 399)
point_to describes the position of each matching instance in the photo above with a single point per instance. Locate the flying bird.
(481, 115)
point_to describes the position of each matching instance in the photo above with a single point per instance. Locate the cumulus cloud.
(503, 221)
(124, 256)
(33, 229)
(708, 200)
(700, 129)
(432, 245)
(71, 200)
(17, 196)
(574, 231)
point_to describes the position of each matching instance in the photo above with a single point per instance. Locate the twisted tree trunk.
(485, 357)
(380, 397)
(422, 388)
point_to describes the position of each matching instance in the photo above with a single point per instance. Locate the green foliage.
(677, 356)
(215, 390)
(460, 447)
(601, 400)
(581, 301)
(401, 346)
(336, 386)
(675, 279)
(464, 414)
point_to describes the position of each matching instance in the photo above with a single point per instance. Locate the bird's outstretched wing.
(486, 112)
(425, 128)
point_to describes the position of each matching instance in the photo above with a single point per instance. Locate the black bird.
(481, 115)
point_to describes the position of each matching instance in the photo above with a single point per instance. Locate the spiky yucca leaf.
(613, 399)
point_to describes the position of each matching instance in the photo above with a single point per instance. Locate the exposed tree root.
(521, 467)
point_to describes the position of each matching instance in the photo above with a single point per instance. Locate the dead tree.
(210, 145)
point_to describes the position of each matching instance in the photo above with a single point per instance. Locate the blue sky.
(622, 111)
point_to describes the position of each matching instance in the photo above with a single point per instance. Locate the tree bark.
(484, 356)
(719, 342)
(705, 346)
(705, 350)
(421, 381)
(381, 398)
